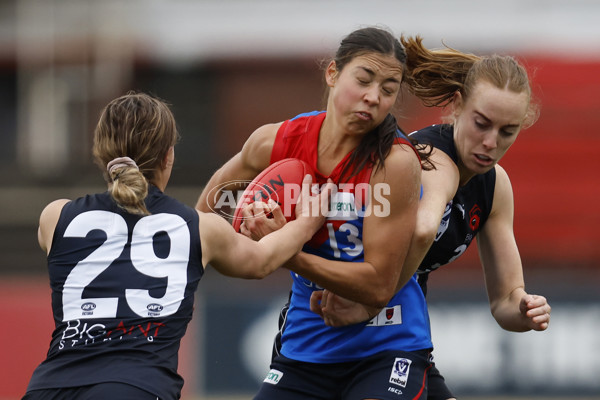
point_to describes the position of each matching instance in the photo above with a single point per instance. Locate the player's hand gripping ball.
(281, 182)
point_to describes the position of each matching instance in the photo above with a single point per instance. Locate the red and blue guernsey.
(122, 294)
(402, 325)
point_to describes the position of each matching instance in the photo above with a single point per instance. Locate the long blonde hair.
(434, 76)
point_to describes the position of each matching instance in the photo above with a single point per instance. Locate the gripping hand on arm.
(337, 311)
(372, 281)
(257, 228)
(234, 254)
(439, 187)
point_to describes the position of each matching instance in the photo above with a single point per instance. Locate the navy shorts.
(436, 385)
(100, 391)
(389, 375)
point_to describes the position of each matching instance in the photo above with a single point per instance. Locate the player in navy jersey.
(468, 194)
(359, 249)
(124, 264)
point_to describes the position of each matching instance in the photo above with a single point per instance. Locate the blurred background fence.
(228, 67)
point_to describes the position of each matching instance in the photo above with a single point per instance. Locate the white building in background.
(83, 50)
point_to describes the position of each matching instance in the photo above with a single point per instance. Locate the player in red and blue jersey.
(305, 337)
(365, 239)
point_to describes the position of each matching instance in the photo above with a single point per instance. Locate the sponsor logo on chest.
(343, 207)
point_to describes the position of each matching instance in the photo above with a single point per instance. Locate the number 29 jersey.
(402, 325)
(122, 294)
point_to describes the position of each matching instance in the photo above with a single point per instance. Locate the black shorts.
(389, 375)
(100, 391)
(436, 385)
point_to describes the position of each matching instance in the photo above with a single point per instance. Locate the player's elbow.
(509, 321)
(260, 273)
(494, 310)
(379, 301)
(510, 325)
(424, 234)
(250, 273)
(381, 297)
(259, 265)
(257, 270)
(247, 267)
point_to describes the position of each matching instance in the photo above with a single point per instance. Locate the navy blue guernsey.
(122, 294)
(464, 215)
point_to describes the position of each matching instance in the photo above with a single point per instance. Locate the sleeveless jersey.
(402, 325)
(464, 215)
(122, 294)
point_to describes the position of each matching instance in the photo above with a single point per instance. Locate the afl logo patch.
(89, 306)
(154, 307)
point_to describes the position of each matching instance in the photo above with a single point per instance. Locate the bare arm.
(439, 187)
(373, 282)
(512, 307)
(48, 220)
(254, 157)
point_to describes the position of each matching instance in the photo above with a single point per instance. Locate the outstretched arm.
(236, 255)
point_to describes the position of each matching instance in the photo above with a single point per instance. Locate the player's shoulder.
(400, 165)
(402, 155)
(500, 171)
(263, 132)
(435, 130)
(502, 180)
(256, 152)
(53, 209)
(48, 220)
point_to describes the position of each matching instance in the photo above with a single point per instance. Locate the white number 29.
(143, 258)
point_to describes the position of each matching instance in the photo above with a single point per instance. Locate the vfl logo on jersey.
(387, 316)
(343, 207)
(273, 377)
(445, 221)
(400, 371)
(88, 308)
